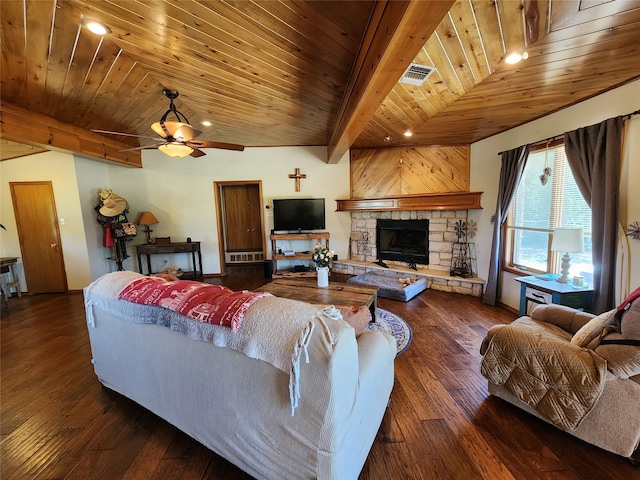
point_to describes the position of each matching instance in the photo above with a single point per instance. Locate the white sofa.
(240, 407)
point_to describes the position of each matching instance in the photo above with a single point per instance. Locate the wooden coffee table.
(335, 294)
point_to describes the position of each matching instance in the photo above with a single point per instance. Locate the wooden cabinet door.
(242, 216)
(40, 244)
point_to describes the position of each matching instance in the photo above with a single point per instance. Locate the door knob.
(54, 245)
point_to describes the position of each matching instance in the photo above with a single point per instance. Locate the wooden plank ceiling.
(282, 72)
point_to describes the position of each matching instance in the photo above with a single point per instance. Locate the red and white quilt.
(213, 304)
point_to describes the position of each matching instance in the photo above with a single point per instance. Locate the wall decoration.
(546, 172)
(633, 231)
(297, 176)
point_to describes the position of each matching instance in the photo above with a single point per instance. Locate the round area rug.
(394, 325)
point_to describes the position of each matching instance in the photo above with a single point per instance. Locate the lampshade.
(147, 218)
(177, 130)
(176, 150)
(568, 240)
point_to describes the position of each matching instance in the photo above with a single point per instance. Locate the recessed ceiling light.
(515, 57)
(97, 27)
(206, 123)
(408, 133)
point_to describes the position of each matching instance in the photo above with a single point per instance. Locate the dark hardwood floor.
(57, 422)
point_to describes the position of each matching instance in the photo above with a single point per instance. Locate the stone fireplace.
(441, 234)
(364, 246)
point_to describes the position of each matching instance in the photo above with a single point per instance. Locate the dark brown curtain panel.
(593, 153)
(513, 163)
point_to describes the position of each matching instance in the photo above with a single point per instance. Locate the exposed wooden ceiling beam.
(23, 126)
(396, 33)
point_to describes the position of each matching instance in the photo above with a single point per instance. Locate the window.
(538, 208)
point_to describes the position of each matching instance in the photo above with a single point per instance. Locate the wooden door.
(37, 221)
(242, 218)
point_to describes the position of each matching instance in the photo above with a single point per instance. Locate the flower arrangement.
(322, 256)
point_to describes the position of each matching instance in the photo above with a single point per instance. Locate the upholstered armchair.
(577, 371)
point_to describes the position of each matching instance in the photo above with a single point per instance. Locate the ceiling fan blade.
(177, 130)
(208, 144)
(126, 134)
(197, 153)
(147, 147)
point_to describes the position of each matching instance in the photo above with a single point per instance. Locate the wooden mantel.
(434, 201)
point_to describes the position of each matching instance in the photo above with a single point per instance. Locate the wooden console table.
(149, 249)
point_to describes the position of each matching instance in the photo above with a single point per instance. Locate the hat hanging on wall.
(112, 206)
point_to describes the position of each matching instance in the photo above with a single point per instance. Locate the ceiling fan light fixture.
(177, 138)
(176, 149)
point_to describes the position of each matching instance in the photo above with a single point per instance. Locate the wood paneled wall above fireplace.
(417, 178)
(397, 172)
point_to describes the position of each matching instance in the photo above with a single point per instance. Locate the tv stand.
(313, 237)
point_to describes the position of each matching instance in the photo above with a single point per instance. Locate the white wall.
(180, 193)
(91, 177)
(485, 171)
(59, 168)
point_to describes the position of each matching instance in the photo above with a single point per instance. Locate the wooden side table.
(550, 291)
(8, 264)
(148, 249)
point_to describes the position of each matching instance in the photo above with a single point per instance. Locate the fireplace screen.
(403, 240)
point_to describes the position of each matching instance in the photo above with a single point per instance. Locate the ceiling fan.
(177, 138)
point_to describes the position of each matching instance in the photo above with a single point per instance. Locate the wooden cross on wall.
(297, 177)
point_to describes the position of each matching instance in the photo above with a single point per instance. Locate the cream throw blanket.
(274, 330)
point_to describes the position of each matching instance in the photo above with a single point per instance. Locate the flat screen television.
(298, 214)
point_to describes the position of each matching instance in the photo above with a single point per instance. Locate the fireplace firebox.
(403, 240)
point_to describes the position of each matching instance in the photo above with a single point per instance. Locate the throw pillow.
(630, 316)
(589, 335)
(357, 317)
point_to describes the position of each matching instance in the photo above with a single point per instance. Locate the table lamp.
(567, 240)
(146, 219)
